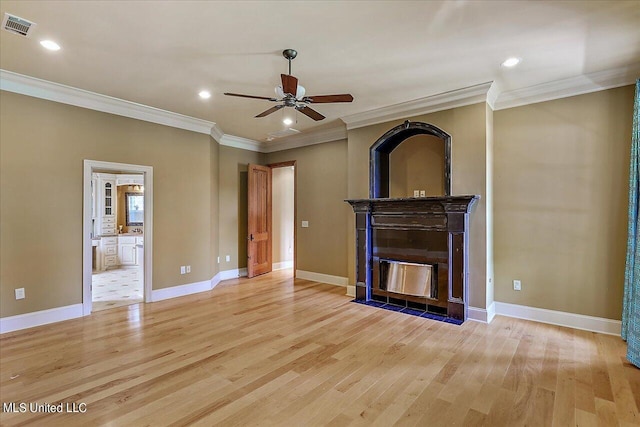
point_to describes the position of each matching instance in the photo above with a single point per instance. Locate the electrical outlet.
(228, 258)
(423, 193)
(416, 193)
(517, 285)
(20, 293)
(183, 269)
(188, 269)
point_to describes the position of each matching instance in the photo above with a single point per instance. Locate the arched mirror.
(411, 156)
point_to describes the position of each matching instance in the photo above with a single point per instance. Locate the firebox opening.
(408, 278)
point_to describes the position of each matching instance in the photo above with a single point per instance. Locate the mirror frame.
(382, 148)
(126, 209)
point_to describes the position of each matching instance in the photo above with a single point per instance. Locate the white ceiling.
(162, 53)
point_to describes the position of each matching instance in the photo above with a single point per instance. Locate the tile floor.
(116, 287)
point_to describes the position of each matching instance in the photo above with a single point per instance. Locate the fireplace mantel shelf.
(449, 204)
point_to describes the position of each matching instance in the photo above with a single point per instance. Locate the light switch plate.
(416, 193)
(188, 269)
(305, 224)
(517, 285)
(183, 269)
(423, 193)
(20, 293)
(228, 258)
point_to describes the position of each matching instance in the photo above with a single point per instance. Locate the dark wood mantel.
(426, 230)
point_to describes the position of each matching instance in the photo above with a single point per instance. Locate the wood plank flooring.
(274, 351)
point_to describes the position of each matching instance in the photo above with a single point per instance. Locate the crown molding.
(242, 143)
(37, 88)
(489, 92)
(216, 133)
(578, 85)
(336, 133)
(430, 104)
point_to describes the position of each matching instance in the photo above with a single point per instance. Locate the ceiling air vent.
(17, 25)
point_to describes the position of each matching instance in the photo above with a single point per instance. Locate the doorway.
(117, 234)
(118, 240)
(266, 251)
(283, 216)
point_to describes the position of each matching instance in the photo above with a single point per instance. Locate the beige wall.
(321, 173)
(561, 191)
(558, 174)
(282, 213)
(42, 148)
(232, 199)
(417, 164)
(468, 129)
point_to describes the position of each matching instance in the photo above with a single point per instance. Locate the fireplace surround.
(412, 252)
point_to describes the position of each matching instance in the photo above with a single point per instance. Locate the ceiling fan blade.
(310, 112)
(345, 97)
(250, 96)
(289, 84)
(270, 110)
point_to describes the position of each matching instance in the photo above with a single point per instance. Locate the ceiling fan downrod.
(289, 54)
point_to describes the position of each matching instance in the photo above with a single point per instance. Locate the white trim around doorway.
(89, 167)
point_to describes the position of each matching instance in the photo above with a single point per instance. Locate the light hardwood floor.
(271, 351)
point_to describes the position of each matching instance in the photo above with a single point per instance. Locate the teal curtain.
(631, 303)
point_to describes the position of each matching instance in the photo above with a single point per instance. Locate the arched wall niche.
(380, 151)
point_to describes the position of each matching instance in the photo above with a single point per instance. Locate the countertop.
(116, 235)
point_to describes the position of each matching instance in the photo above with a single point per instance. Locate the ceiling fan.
(291, 94)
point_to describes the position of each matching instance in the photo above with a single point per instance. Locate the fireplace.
(407, 278)
(412, 252)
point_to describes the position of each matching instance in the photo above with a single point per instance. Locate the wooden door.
(259, 227)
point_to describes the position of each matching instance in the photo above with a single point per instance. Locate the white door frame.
(147, 171)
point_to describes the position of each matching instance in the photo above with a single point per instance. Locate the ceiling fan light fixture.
(204, 94)
(300, 91)
(287, 121)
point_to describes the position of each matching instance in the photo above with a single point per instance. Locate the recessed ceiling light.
(50, 44)
(205, 94)
(287, 121)
(511, 62)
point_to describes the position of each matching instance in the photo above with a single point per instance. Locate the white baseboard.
(233, 274)
(281, 265)
(215, 280)
(481, 314)
(351, 291)
(560, 318)
(181, 290)
(38, 318)
(323, 278)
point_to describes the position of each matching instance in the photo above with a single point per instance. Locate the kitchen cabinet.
(105, 204)
(127, 250)
(109, 252)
